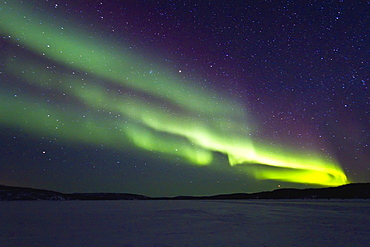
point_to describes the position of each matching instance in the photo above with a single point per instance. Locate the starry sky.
(167, 98)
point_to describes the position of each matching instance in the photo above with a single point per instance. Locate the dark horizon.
(349, 191)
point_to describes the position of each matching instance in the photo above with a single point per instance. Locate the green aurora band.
(133, 103)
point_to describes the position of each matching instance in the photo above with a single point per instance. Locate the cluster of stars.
(299, 69)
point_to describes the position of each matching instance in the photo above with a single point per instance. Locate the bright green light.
(155, 110)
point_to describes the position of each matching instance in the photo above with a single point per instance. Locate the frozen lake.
(185, 223)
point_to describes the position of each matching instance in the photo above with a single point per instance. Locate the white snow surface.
(186, 223)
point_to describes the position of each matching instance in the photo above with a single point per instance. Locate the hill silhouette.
(348, 191)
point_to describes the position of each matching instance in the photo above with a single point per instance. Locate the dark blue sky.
(298, 69)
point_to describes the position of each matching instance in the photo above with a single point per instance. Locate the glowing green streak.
(88, 52)
(93, 95)
(181, 120)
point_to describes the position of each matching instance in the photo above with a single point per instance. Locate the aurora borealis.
(85, 106)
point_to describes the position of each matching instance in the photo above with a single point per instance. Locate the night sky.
(169, 98)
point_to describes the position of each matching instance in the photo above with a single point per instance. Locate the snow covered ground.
(185, 223)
